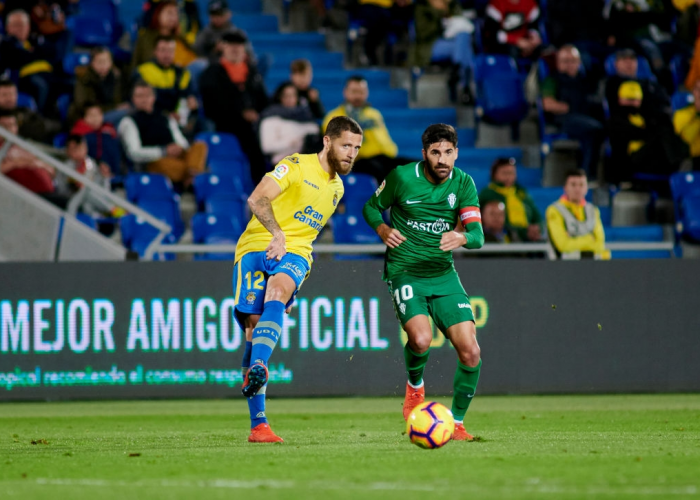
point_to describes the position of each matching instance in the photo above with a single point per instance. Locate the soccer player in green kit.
(428, 200)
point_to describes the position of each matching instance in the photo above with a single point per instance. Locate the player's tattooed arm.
(260, 203)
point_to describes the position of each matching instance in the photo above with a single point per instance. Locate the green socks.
(415, 364)
(465, 382)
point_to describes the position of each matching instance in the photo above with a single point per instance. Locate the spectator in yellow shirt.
(686, 122)
(378, 154)
(574, 225)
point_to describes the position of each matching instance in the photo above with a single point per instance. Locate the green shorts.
(442, 298)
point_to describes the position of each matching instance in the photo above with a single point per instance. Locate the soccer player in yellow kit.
(290, 206)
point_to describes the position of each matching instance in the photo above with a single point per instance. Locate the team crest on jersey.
(250, 298)
(293, 159)
(335, 199)
(452, 200)
(380, 188)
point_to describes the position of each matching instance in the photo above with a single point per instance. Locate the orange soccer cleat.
(413, 398)
(262, 433)
(461, 434)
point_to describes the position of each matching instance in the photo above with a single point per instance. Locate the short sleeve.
(286, 173)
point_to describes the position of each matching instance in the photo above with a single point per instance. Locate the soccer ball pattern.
(430, 425)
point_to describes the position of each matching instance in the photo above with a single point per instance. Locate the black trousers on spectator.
(379, 166)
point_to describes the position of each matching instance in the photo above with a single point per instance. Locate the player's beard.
(441, 174)
(337, 165)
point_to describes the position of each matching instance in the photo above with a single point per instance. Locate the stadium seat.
(215, 229)
(245, 6)
(142, 187)
(690, 208)
(87, 220)
(480, 176)
(500, 95)
(684, 185)
(75, 59)
(681, 100)
(417, 118)
(679, 67)
(319, 58)
(221, 146)
(352, 228)
(648, 233)
(545, 196)
(333, 78)
(59, 140)
(640, 254)
(90, 31)
(271, 42)
(382, 99)
(234, 168)
(208, 185)
(26, 101)
(256, 23)
(234, 208)
(529, 177)
(643, 68)
(358, 189)
(168, 211)
(63, 104)
(137, 235)
(100, 9)
(484, 157)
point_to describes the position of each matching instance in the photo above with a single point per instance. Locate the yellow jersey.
(308, 199)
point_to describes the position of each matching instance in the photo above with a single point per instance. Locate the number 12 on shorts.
(256, 281)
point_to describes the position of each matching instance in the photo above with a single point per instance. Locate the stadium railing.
(87, 184)
(544, 249)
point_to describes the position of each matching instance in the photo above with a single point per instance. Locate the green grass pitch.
(554, 447)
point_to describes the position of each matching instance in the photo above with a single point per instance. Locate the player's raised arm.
(260, 203)
(382, 199)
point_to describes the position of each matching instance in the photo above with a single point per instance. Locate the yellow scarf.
(515, 209)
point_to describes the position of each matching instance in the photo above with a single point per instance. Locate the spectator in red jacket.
(101, 138)
(511, 28)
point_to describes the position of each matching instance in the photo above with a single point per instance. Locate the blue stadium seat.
(681, 100)
(75, 59)
(351, 228)
(91, 31)
(215, 229)
(690, 209)
(332, 96)
(408, 139)
(319, 58)
(358, 189)
(648, 233)
(480, 176)
(26, 101)
(484, 157)
(245, 6)
(137, 234)
(59, 140)
(63, 104)
(99, 9)
(545, 196)
(142, 187)
(208, 185)
(684, 184)
(529, 177)
(234, 208)
(679, 67)
(644, 71)
(256, 23)
(87, 220)
(500, 95)
(640, 254)
(417, 118)
(234, 168)
(334, 78)
(167, 211)
(271, 42)
(222, 146)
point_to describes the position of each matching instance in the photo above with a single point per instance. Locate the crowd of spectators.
(611, 69)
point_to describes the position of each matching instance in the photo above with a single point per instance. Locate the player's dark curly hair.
(341, 124)
(439, 132)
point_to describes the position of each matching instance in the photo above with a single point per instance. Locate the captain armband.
(470, 214)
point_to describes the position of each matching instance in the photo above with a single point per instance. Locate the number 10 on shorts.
(403, 294)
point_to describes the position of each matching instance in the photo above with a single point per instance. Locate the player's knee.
(470, 355)
(421, 343)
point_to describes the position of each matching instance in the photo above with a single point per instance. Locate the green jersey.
(422, 211)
